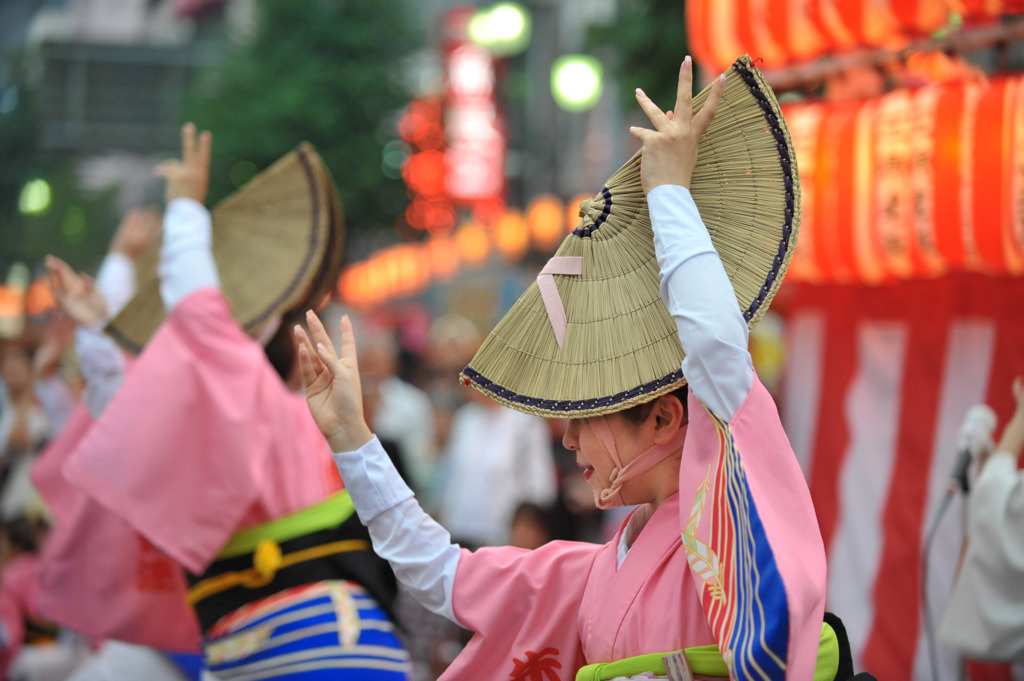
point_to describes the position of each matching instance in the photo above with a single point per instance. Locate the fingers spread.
(641, 133)
(60, 273)
(306, 366)
(188, 142)
(707, 113)
(684, 90)
(348, 340)
(654, 114)
(167, 168)
(203, 153)
(317, 330)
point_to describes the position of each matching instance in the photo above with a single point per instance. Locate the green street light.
(576, 81)
(35, 197)
(502, 29)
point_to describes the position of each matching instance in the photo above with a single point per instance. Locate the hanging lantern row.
(793, 31)
(911, 185)
(407, 270)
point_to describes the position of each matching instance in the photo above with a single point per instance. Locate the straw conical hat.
(277, 242)
(621, 346)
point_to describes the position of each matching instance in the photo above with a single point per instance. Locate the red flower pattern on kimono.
(536, 666)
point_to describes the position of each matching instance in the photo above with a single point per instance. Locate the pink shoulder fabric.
(752, 539)
(98, 575)
(523, 608)
(202, 439)
(648, 604)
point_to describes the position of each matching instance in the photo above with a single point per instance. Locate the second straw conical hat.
(277, 242)
(620, 346)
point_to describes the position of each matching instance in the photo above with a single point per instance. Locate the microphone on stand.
(974, 436)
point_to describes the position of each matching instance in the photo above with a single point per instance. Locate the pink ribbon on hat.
(567, 265)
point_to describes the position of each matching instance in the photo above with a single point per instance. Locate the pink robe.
(203, 439)
(19, 592)
(99, 576)
(749, 573)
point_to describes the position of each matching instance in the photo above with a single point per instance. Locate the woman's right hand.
(670, 149)
(333, 390)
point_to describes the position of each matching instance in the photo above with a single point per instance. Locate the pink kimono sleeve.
(14, 631)
(752, 540)
(98, 575)
(180, 452)
(523, 607)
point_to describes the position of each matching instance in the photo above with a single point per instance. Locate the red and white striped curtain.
(876, 386)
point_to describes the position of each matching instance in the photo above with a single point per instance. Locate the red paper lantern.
(955, 108)
(833, 213)
(791, 26)
(712, 31)
(804, 122)
(921, 17)
(1015, 150)
(868, 250)
(928, 260)
(892, 220)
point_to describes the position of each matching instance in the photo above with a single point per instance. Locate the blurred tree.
(326, 72)
(19, 135)
(649, 39)
(75, 224)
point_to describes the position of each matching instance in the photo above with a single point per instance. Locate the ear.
(668, 416)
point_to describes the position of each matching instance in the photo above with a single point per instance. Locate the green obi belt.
(707, 661)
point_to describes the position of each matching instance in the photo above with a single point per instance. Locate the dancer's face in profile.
(633, 432)
(592, 456)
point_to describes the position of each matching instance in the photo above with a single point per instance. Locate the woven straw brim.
(277, 243)
(621, 347)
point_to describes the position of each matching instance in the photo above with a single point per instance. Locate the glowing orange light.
(473, 243)
(12, 299)
(572, 211)
(39, 298)
(544, 219)
(443, 256)
(511, 235)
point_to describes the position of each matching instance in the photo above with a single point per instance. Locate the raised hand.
(189, 176)
(56, 338)
(136, 233)
(333, 390)
(670, 150)
(76, 294)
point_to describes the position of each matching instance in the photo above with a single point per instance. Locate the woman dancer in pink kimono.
(750, 611)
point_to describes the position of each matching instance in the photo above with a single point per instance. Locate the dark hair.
(640, 412)
(280, 350)
(555, 518)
